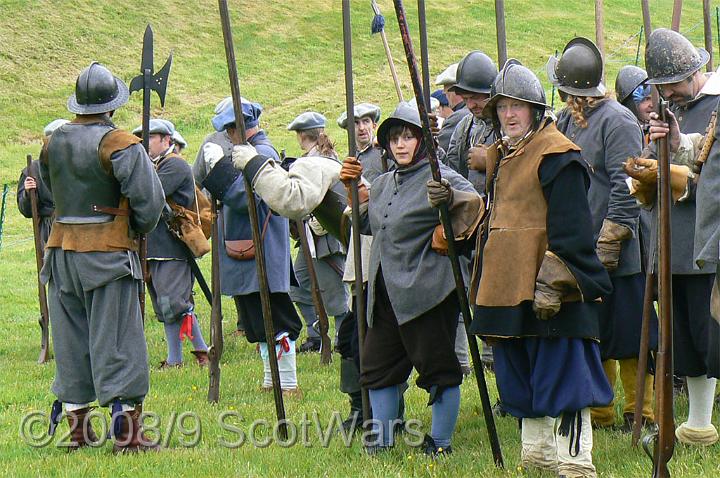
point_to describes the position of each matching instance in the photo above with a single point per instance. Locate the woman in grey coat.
(412, 304)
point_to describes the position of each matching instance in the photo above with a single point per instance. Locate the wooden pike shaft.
(239, 137)
(500, 32)
(42, 294)
(707, 24)
(447, 227)
(600, 30)
(354, 195)
(326, 347)
(677, 12)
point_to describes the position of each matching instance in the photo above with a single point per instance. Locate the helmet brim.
(665, 80)
(122, 97)
(489, 109)
(594, 92)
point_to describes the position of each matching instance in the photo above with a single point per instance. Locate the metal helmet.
(628, 79)
(405, 113)
(97, 91)
(518, 82)
(475, 73)
(670, 57)
(579, 70)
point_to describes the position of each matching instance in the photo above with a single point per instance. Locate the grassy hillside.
(290, 59)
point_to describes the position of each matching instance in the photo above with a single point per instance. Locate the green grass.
(290, 60)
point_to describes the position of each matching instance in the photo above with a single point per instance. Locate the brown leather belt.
(114, 211)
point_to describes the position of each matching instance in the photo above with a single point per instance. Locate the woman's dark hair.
(398, 129)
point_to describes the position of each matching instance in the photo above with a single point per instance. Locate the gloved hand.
(439, 242)
(212, 153)
(643, 169)
(439, 192)
(547, 301)
(316, 227)
(553, 283)
(609, 243)
(350, 171)
(242, 154)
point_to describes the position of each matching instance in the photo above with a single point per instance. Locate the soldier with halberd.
(238, 272)
(608, 134)
(171, 279)
(540, 279)
(105, 192)
(673, 64)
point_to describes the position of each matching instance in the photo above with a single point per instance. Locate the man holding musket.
(673, 64)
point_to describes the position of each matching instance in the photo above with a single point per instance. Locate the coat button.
(383, 227)
(385, 215)
(400, 182)
(390, 203)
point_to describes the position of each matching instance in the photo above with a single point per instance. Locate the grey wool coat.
(177, 181)
(691, 240)
(469, 132)
(402, 222)
(611, 137)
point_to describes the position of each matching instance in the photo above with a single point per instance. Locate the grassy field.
(290, 60)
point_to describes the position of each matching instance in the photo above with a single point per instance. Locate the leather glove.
(212, 153)
(439, 243)
(350, 171)
(554, 282)
(439, 192)
(646, 172)
(316, 227)
(609, 243)
(643, 169)
(242, 154)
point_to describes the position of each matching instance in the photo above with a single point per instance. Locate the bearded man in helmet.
(106, 192)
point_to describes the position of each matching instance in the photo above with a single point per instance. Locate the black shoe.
(353, 423)
(310, 345)
(430, 449)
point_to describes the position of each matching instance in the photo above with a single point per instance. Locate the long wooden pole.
(500, 32)
(600, 31)
(707, 24)
(677, 12)
(325, 347)
(424, 59)
(44, 320)
(355, 197)
(447, 228)
(239, 137)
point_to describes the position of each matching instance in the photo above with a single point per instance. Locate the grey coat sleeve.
(452, 158)
(623, 141)
(141, 185)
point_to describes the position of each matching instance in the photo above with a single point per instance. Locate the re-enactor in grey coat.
(412, 319)
(105, 191)
(171, 279)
